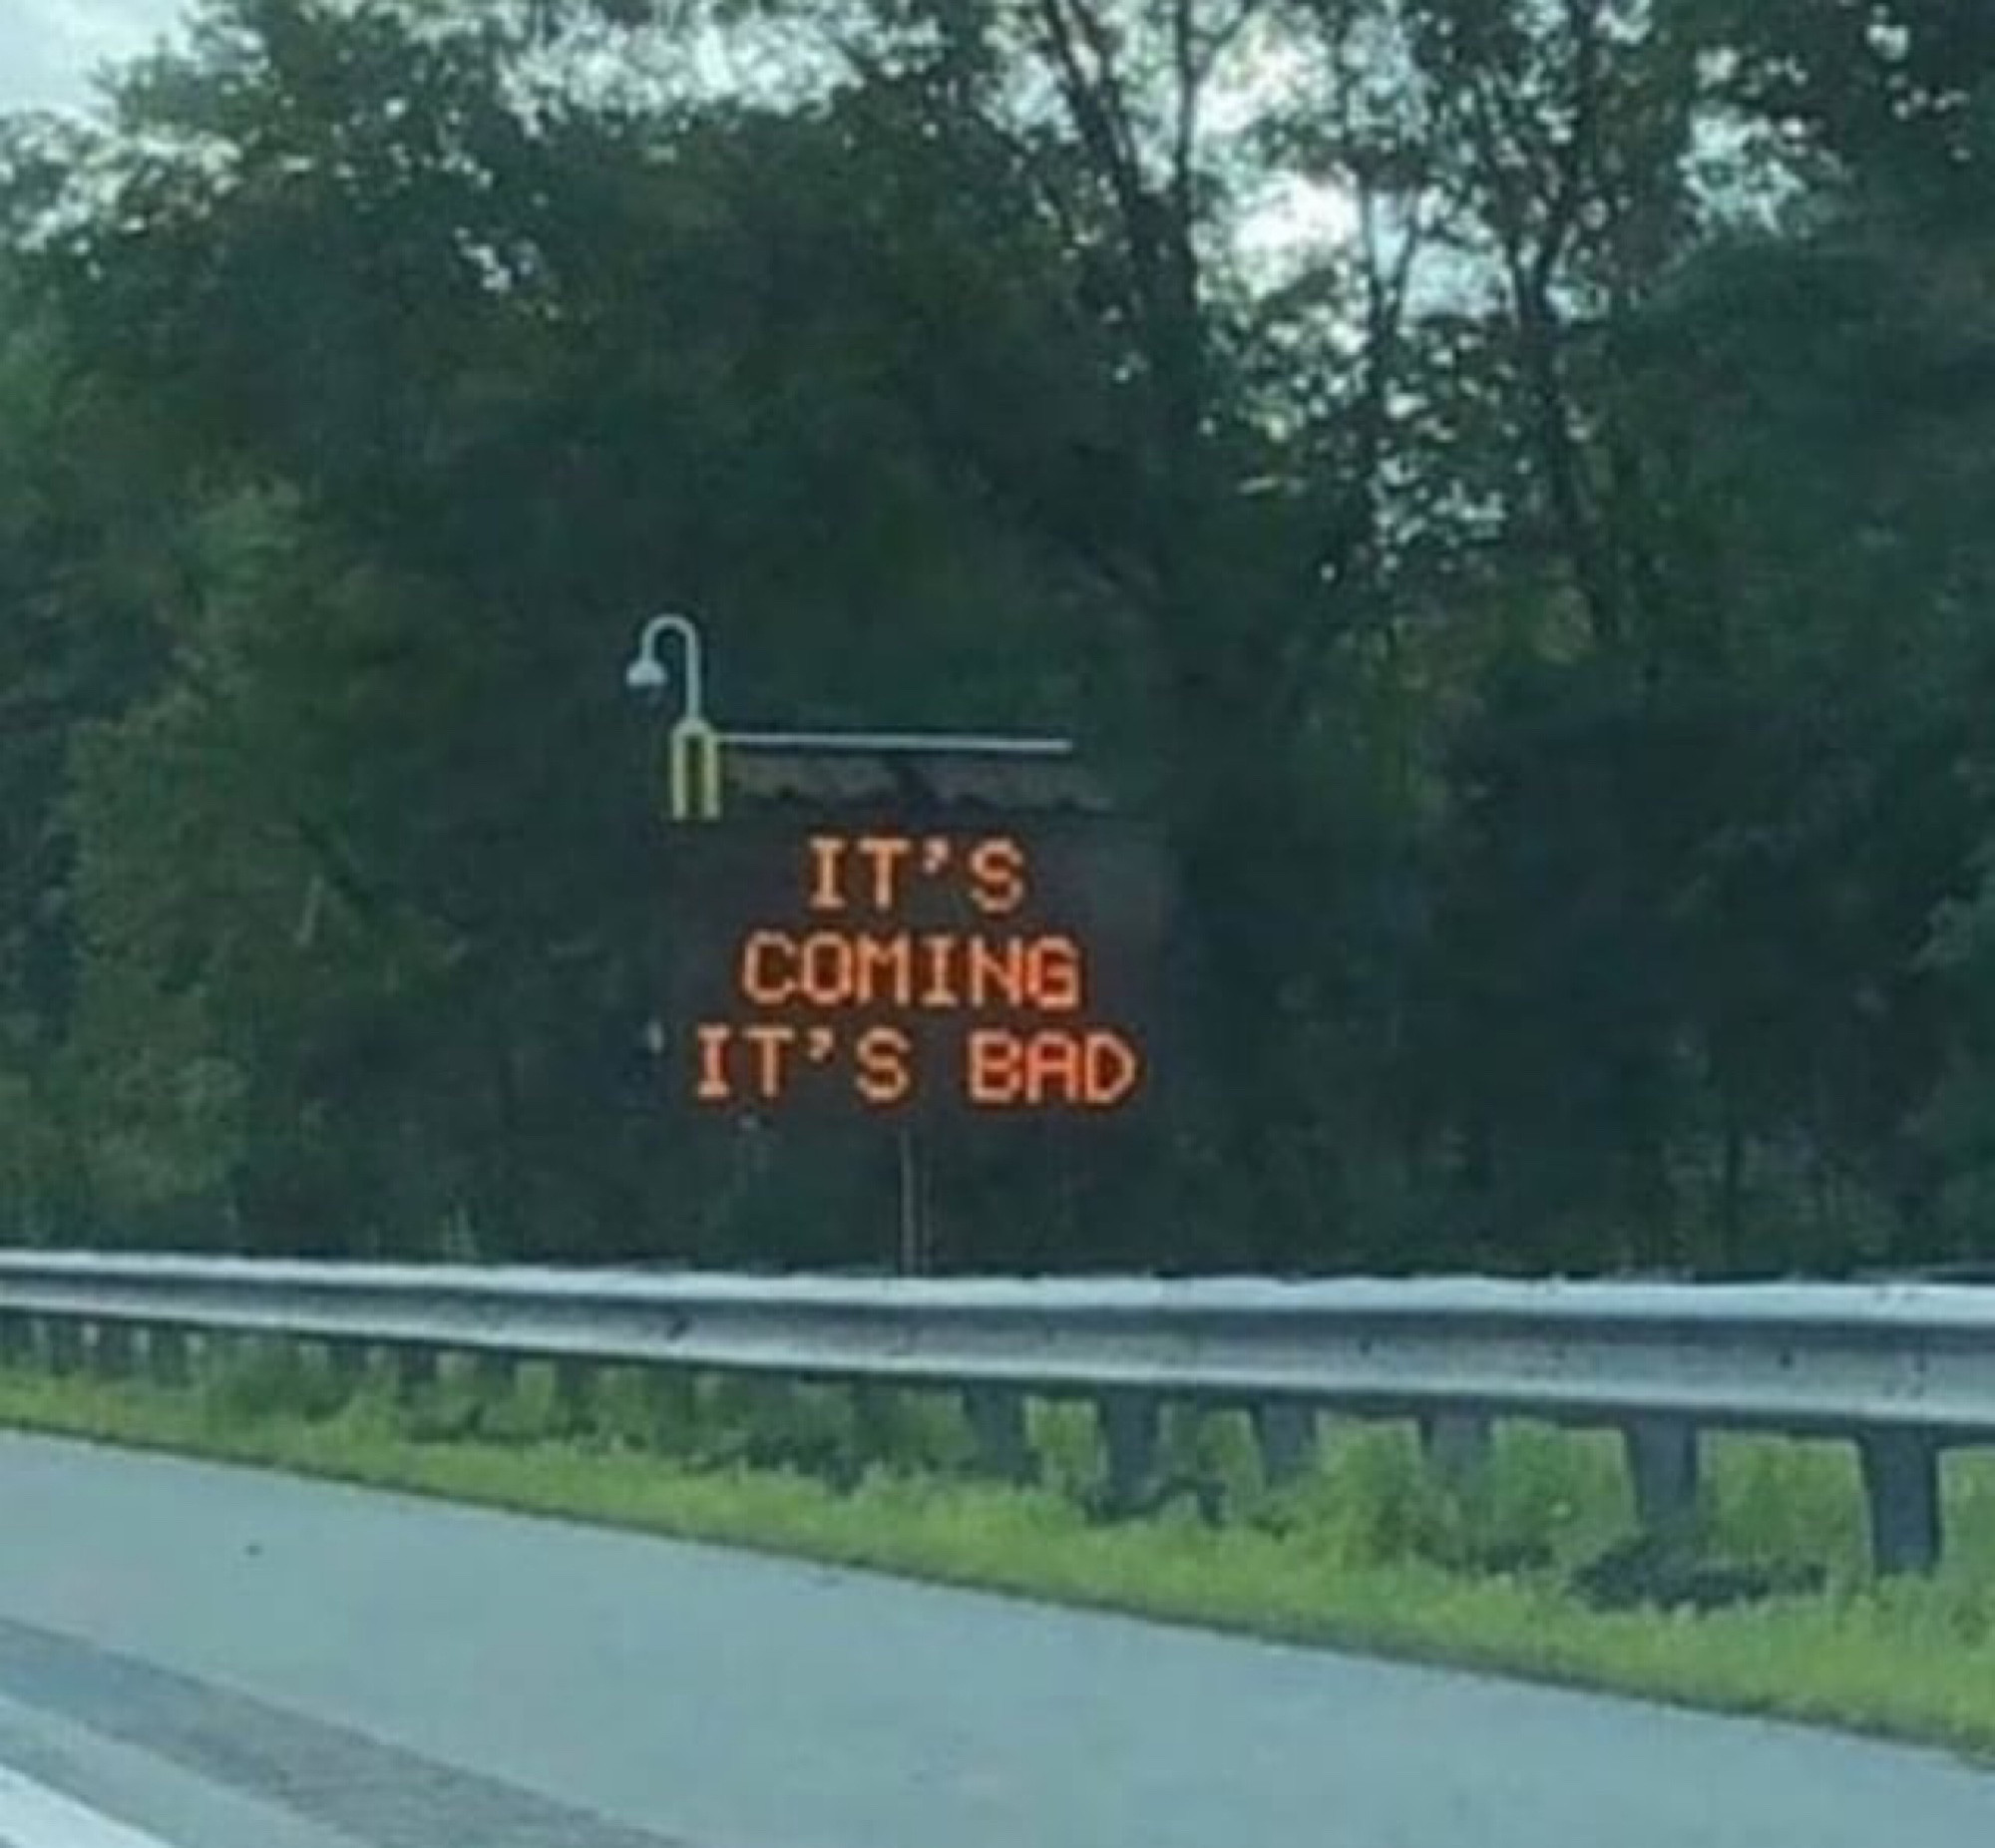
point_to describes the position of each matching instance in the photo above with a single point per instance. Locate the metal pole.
(686, 632)
(914, 1228)
(692, 744)
(917, 1234)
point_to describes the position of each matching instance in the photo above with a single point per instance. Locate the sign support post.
(914, 1203)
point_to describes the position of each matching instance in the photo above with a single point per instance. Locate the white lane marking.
(33, 1816)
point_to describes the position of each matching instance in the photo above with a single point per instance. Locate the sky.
(48, 48)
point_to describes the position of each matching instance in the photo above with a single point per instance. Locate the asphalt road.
(198, 1656)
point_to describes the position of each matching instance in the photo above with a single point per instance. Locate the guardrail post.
(996, 1419)
(17, 1341)
(1901, 1486)
(111, 1348)
(167, 1354)
(349, 1361)
(1663, 1467)
(415, 1372)
(672, 1397)
(494, 1374)
(1285, 1434)
(63, 1339)
(1130, 1422)
(1457, 1446)
(575, 1387)
(872, 1421)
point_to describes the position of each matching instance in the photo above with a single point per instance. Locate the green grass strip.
(1366, 1555)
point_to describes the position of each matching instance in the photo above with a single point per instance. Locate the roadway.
(198, 1656)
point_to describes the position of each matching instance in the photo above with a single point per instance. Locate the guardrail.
(1903, 1371)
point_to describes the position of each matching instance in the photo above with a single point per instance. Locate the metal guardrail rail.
(1904, 1371)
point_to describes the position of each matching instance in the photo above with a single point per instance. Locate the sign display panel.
(894, 969)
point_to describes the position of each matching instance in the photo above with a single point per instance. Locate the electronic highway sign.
(891, 968)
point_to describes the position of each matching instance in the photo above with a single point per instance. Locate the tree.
(1557, 678)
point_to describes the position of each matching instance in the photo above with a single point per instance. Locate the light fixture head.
(647, 674)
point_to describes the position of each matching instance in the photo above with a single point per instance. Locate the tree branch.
(1533, 242)
(1096, 106)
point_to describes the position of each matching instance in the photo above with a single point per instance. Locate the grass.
(1367, 1552)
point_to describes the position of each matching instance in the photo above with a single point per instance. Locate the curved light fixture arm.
(648, 672)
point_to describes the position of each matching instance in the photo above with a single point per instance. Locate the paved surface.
(214, 1658)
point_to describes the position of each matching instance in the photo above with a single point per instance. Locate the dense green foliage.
(1369, 1550)
(1542, 588)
